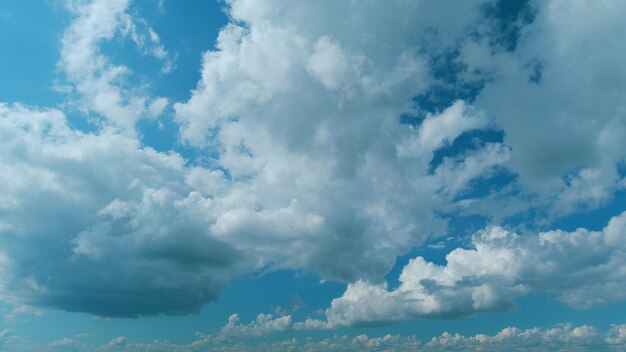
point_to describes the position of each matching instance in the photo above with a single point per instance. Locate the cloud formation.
(264, 324)
(560, 337)
(582, 269)
(317, 154)
(99, 82)
(89, 220)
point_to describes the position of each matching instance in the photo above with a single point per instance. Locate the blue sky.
(281, 175)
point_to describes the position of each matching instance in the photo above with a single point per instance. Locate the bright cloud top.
(321, 148)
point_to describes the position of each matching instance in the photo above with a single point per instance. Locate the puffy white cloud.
(100, 215)
(440, 130)
(306, 116)
(580, 268)
(96, 223)
(565, 337)
(98, 81)
(616, 335)
(316, 171)
(264, 324)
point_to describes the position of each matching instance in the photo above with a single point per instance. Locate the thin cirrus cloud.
(316, 169)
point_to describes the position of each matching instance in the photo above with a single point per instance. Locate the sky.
(279, 175)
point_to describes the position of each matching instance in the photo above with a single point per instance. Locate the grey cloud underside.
(69, 243)
(304, 104)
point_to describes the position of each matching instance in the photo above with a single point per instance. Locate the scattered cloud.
(559, 337)
(98, 81)
(582, 269)
(300, 107)
(264, 324)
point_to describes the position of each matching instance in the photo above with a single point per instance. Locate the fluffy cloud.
(306, 114)
(264, 324)
(560, 337)
(99, 82)
(555, 97)
(303, 105)
(98, 223)
(581, 268)
(89, 220)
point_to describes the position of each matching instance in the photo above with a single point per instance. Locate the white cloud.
(332, 66)
(98, 81)
(580, 268)
(566, 337)
(563, 336)
(303, 103)
(307, 113)
(442, 129)
(100, 215)
(264, 324)
(566, 126)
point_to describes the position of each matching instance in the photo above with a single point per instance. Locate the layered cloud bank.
(560, 337)
(330, 137)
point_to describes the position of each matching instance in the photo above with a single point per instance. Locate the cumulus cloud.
(264, 324)
(566, 337)
(554, 96)
(100, 82)
(581, 268)
(563, 336)
(315, 168)
(307, 113)
(89, 220)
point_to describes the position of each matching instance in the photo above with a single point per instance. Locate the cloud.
(559, 337)
(300, 107)
(264, 324)
(98, 81)
(581, 268)
(89, 219)
(306, 118)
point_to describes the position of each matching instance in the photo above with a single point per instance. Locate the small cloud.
(264, 324)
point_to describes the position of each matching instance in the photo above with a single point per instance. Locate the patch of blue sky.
(595, 219)
(296, 293)
(466, 142)
(489, 183)
(507, 18)
(186, 31)
(29, 35)
(447, 89)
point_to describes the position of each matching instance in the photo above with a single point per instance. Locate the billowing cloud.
(555, 97)
(264, 324)
(89, 220)
(318, 155)
(96, 222)
(581, 268)
(306, 115)
(559, 337)
(98, 81)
